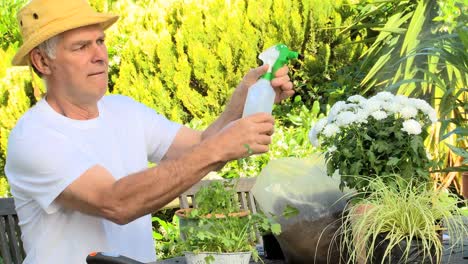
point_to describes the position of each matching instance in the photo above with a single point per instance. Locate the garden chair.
(11, 246)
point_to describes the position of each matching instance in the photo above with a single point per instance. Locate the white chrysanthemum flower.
(402, 100)
(332, 148)
(426, 108)
(313, 136)
(320, 125)
(330, 130)
(372, 105)
(348, 107)
(385, 96)
(336, 108)
(392, 107)
(412, 127)
(379, 115)
(345, 118)
(361, 116)
(314, 140)
(408, 112)
(418, 103)
(432, 115)
(356, 99)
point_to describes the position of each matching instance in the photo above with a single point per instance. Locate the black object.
(415, 253)
(109, 258)
(11, 246)
(271, 247)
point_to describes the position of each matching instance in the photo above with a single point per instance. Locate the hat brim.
(57, 27)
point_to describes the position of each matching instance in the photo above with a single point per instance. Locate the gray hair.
(49, 47)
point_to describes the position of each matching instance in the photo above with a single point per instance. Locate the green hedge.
(184, 59)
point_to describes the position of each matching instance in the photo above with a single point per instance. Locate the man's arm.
(96, 192)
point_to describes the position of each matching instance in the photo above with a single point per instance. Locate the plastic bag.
(303, 184)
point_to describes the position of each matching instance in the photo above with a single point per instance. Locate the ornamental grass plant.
(382, 136)
(408, 218)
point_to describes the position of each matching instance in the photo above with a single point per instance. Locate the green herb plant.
(218, 225)
(405, 213)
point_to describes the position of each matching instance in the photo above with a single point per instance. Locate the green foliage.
(10, 33)
(217, 225)
(16, 96)
(407, 213)
(167, 237)
(188, 57)
(218, 198)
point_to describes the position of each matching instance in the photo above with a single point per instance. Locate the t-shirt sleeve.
(159, 132)
(43, 166)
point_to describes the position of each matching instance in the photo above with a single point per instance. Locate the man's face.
(80, 68)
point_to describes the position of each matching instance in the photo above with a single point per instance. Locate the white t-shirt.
(48, 151)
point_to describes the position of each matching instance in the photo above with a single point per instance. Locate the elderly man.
(77, 160)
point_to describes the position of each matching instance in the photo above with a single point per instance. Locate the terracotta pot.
(465, 185)
(185, 220)
(182, 213)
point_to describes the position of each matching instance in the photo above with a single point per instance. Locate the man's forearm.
(147, 191)
(232, 112)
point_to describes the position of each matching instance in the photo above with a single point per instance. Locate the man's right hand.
(244, 137)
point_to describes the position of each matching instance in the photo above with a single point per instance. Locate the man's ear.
(40, 62)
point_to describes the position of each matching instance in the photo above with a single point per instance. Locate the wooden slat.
(7, 206)
(243, 201)
(11, 246)
(4, 248)
(14, 239)
(183, 201)
(252, 205)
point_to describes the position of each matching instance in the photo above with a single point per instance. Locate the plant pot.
(415, 253)
(271, 247)
(219, 258)
(465, 185)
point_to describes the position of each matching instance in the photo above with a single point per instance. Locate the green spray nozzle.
(276, 56)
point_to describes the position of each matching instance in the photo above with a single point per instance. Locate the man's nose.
(99, 53)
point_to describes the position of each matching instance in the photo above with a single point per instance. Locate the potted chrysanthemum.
(383, 135)
(376, 145)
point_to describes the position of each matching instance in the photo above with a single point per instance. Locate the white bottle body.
(260, 98)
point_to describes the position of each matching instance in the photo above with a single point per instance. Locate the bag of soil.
(303, 184)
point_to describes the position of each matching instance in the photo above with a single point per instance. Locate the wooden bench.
(11, 246)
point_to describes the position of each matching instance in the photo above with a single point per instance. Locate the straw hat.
(42, 19)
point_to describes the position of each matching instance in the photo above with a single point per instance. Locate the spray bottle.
(261, 96)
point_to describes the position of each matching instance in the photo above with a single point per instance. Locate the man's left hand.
(282, 84)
